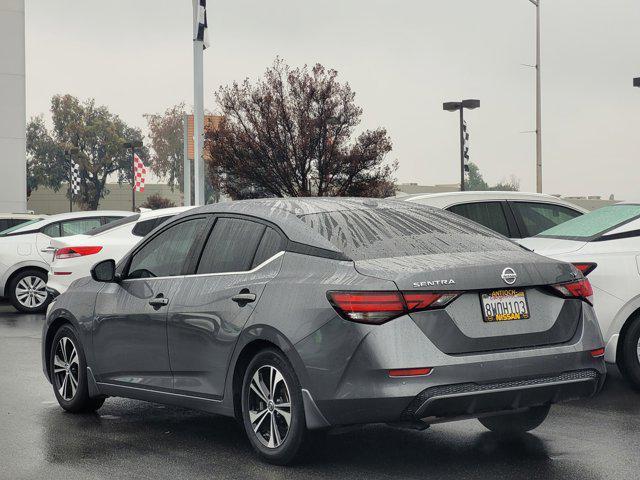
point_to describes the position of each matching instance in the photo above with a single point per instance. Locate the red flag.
(140, 172)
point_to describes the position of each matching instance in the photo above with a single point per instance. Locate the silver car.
(303, 314)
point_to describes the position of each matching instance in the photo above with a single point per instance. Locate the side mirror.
(104, 271)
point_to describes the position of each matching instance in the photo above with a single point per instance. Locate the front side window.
(231, 246)
(538, 217)
(594, 224)
(167, 253)
(489, 214)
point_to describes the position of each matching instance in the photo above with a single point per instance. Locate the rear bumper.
(471, 399)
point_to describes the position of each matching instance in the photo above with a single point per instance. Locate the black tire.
(629, 353)
(516, 423)
(72, 399)
(291, 441)
(20, 300)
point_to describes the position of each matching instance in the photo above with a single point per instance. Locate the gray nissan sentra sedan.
(302, 314)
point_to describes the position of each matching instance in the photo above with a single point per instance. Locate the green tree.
(292, 133)
(475, 181)
(167, 143)
(96, 133)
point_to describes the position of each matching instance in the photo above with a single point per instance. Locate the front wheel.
(68, 369)
(272, 409)
(516, 423)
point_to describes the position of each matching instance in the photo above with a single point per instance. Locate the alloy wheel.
(269, 406)
(31, 291)
(66, 368)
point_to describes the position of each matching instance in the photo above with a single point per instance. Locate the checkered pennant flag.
(140, 173)
(201, 30)
(465, 145)
(75, 178)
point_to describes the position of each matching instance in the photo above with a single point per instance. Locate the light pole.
(460, 106)
(68, 153)
(538, 102)
(133, 145)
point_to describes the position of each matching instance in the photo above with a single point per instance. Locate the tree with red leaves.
(291, 134)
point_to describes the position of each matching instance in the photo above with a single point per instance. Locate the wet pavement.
(595, 439)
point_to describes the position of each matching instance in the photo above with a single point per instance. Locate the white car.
(605, 244)
(513, 214)
(11, 220)
(74, 256)
(24, 264)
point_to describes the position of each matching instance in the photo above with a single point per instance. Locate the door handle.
(244, 298)
(159, 301)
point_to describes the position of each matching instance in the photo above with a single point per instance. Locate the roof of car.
(161, 212)
(446, 199)
(285, 213)
(21, 216)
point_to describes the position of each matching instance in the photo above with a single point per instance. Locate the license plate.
(504, 305)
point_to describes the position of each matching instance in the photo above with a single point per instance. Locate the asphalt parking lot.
(596, 439)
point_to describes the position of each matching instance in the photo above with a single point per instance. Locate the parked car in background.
(297, 314)
(513, 214)
(12, 220)
(605, 245)
(75, 255)
(25, 254)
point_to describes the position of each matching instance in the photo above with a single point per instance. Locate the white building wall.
(13, 184)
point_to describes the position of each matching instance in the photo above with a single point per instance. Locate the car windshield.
(593, 224)
(21, 225)
(365, 234)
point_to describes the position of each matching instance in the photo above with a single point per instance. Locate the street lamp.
(133, 145)
(68, 153)
(460, 106)
(538, 102)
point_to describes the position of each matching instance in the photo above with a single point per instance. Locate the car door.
(214, 303)
(129, 328)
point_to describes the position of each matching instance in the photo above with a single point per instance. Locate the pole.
(461, 149)
(198, 113)
(538, 105)
(133, 180)
(186, 182)
(70, 182)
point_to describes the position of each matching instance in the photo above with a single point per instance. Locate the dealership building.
(13, 194)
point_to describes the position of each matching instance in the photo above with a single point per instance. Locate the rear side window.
(538, 217)
(231, 246)
(271, 243)
(143, 228)
(78, 227)
(114, 224)
(166, 254)
(52, 230)
(403, 230)
(489, 214)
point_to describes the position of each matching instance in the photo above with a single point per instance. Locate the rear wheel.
(68, 369)
(516, 423)
(629, 353)
(272, 410)
(27, 291)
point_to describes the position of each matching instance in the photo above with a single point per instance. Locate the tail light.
(380, 307)
(585, 267)
(580, 289)
(598, 353)
(73, 252)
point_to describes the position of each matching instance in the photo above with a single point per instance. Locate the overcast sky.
(403, 59)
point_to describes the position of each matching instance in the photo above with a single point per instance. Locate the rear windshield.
(400, 231)
(113, 224)
(593, 224)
